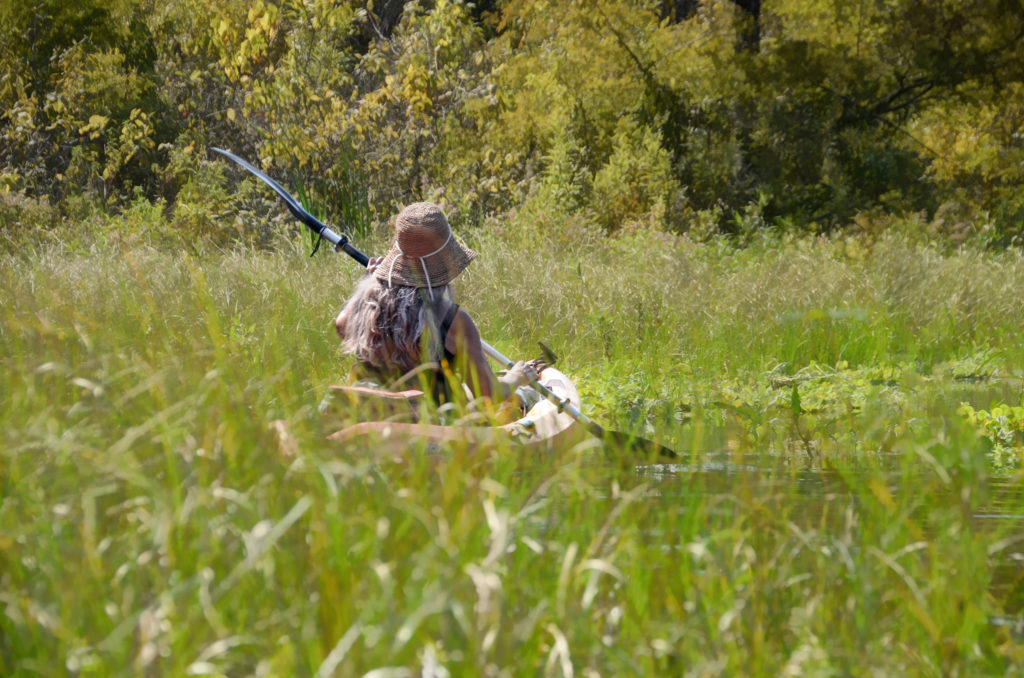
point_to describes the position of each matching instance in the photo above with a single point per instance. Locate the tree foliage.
(628, 112)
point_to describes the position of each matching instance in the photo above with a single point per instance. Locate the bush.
(637, 181)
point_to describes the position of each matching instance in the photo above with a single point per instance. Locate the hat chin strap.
(430, 288)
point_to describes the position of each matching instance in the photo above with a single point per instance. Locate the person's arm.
(464, 340)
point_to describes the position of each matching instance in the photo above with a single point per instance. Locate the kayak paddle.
(340, 242)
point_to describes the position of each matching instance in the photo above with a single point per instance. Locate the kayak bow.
(544, 426)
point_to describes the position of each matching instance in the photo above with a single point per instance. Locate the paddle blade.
(297, 210)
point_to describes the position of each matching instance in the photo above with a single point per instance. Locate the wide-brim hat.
(424, 252)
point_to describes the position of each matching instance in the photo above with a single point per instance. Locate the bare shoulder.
(463, 330)
(341, 321)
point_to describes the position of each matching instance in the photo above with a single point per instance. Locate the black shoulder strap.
(446, 325)
(449, 318)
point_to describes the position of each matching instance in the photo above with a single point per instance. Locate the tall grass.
(170, 504)
(717, 307)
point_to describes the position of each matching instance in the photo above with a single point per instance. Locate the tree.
(79, 108)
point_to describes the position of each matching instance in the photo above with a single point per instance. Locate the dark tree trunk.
(750, 37)
(678, 10)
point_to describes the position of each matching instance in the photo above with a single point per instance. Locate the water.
(1004, 507)
(809, 493)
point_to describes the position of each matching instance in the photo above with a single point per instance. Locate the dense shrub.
(629, 113)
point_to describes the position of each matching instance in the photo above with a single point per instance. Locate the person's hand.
(539, 364)
(519, 374)
(372, 265)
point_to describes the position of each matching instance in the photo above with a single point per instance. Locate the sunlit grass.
(170, 504)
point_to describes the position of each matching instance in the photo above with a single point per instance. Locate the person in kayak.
(402, 323)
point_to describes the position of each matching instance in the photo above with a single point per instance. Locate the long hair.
(384, 325)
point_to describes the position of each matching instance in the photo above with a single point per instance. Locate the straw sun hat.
(424, 252)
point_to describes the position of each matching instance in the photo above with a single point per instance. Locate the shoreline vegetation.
(783, 238)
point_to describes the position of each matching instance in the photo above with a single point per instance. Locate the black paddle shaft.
(341, 242)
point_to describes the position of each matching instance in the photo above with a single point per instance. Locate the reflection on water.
(809, 493)
(1004, 506)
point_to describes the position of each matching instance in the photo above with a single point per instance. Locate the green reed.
(170, 504)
